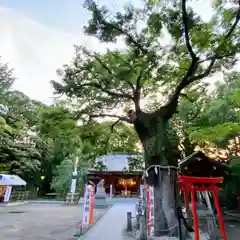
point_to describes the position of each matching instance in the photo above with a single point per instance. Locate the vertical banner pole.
(7, 193)
(141, 191)
(74, 177)
(91, 205)
(111, 191)
(88, 205)
(150, 210)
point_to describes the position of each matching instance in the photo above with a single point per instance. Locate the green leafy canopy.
(195, 49)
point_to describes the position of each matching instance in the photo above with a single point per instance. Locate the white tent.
(12, 180)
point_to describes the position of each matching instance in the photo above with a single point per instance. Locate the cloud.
(35, 51)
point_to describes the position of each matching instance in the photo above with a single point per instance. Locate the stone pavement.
(112, 225)
(232, 228)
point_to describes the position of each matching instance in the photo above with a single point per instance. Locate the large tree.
(147, 67)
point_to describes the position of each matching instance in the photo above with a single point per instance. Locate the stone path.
(112, 225)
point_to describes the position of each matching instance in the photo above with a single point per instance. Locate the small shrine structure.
(198, 164)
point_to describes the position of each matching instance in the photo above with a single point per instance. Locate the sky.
(37, 37)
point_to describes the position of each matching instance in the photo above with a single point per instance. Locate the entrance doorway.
(126, 187)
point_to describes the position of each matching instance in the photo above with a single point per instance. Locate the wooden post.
(220, 217)
(129, 221)
(194, 212)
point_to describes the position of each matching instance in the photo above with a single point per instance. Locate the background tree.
(18, 152)
(102, 138)
(105, 81)
(216, 118)
(212, 123)
(38, 140)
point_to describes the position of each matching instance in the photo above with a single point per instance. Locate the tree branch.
(186, 30)
(131, 39)
(216, 56)
(98, 59)
(57, 97)
(129, 36)
(170, 108)
(209, 58)
(106, 67)
(137, 92)
(111, 130)
(186, 96)
(99, 86)
(110, 93)
(128, 82)
(120, 118)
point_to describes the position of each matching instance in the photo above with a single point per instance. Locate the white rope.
(156, 167)
(168, 229)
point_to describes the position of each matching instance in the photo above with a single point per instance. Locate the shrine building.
(196, 164)
(116, 174)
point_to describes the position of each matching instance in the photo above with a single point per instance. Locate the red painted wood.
(220, 217)
(193, 184)
(195, 216)
(207, 180)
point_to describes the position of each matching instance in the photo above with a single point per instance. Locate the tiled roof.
(116, 162)
(12, 180)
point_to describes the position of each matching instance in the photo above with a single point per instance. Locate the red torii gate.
(193, 184)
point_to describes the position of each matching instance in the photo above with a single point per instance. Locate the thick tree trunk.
(166, 222)
(165, 202)
(152, 130)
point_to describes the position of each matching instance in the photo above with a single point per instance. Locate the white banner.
(7, 193)
(141, 190)
(141, 195)
(88, 205)
(73, 185)
(150, 210)
(111, 191)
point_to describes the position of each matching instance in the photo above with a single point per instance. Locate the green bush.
(232, 185)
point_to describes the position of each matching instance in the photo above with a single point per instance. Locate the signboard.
(88, 205)
(150, 210)
(7, 193)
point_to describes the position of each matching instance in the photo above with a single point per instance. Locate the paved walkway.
(112, 225)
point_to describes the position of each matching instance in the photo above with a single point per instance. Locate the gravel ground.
(42, 221)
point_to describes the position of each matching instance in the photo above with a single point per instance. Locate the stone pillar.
(100, 196)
